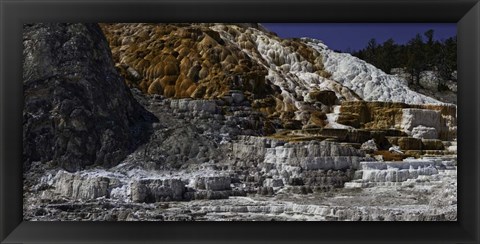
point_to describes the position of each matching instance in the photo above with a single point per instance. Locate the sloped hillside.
(290, 79)
(241, 125)
(369, 82)
(205, 60)
(202, 61)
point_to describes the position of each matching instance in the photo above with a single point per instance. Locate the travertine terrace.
(131, 122)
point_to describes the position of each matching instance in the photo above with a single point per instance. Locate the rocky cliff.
(78, 110)
(255, 126)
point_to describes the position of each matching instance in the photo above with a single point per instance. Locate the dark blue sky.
(341, 36)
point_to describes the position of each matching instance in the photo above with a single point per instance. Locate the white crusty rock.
(406, 164)
(395, 149)
(78, 186)
(369, 146)
(423, 118)
(397, 175)
(397, 171)
(315, 155)
(369, 82)
(350, 78)
(424, 132)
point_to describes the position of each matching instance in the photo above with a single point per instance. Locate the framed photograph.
(245, 122)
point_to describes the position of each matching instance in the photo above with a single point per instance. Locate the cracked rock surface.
(78, 111)
(184, 122)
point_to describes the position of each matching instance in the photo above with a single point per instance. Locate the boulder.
(81, 187)
(156, 190)
(369, 146)
(213, 183)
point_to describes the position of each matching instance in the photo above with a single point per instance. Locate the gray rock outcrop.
(194, 106)
(251, 127)
(155, 190)
(78, 111)
(213, 183)
(80, 187)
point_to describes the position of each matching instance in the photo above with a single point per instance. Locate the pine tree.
(370, 52)
(415, 58)
(386, 59)
(429, 35)
(429, 53)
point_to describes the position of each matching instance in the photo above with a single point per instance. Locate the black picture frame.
(466, 13)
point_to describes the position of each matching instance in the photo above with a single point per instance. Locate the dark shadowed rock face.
(78, 111)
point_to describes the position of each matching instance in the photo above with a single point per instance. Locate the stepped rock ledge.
(134, 122)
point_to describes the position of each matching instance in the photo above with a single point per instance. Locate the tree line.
(421, 53)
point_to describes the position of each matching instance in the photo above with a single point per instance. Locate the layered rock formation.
(200, 61)
(411, 127)
(440, 120)
(315, 156)
(250, 127)
(426, 191)
(301, 80)
(398, 172)
(282, 78)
